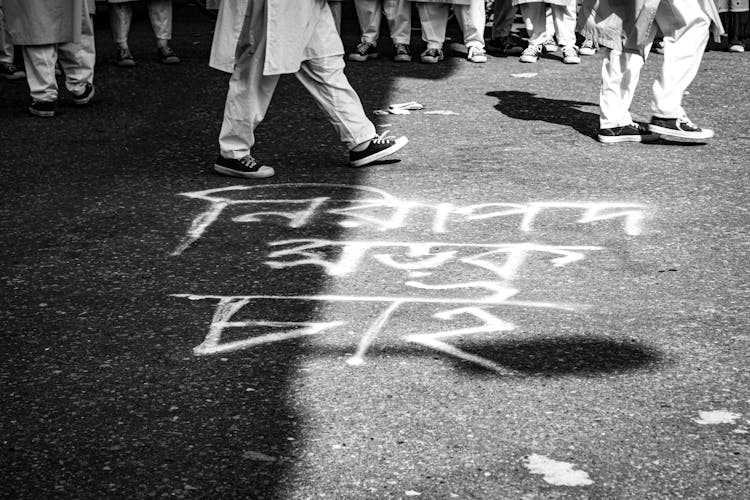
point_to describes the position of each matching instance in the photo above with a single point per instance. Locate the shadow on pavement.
(527, 106)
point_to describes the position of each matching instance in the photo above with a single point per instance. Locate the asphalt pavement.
(506, 310)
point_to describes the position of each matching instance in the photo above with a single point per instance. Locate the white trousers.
(685, 26)
(76, 59)
(397, 13)
(563, 18)
(6, 48)
(250, 93)
(434, 20)
(159, 12)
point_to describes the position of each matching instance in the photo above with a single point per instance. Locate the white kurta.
(290, 38)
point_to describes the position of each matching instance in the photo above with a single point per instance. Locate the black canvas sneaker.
(379, 148)
(365, 51)
(679, 127)
(10, 71)
(247, 167)
(85, 96)
(629, 133)
(45, 109)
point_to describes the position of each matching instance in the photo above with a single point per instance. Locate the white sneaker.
(588, 48)
(737, 48)
(531, 54)
(550, 45)
(570, 55)
(477, 55)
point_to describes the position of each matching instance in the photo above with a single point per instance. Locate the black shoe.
(377, 149)
(45, 109)
(85, 96)
(629, 133)
(503, 46)
(364, 51)
(10, 71)
(124, 58)
(401, 52)
(247, 167)
(167, 56)
(678, 127)
(431, 56)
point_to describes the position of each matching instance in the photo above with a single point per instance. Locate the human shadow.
(522, 105)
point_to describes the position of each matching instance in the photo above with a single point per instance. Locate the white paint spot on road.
(716, 417)
(412, 493)
(557, 473)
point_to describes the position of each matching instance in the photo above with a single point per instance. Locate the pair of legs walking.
(685, 26)
(250, 93)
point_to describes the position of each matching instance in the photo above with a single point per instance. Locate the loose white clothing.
(397, 13)
(315, 58)
(434, 16)
(685, 25)
(563, 17)
(121, 16)
(7, 52)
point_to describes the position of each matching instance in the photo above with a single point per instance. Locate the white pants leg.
(120, 17)
(471, 18)
(336, 13)
(369, 14)
(160, 14)
(398, 15)
(434, 20)
(76, 59)
(250, 94)
(564, 20)
(685, 26)
(6, 48)
(620, 74)
(40, 71)
(325, 80)
(535, 21)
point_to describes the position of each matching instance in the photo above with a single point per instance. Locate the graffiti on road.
(457, 281)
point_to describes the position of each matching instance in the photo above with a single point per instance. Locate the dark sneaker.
(247, 167)
(401, 52)
(504, 46)
(570, 55)
(588, 48)
(85, 96)
(167, 56)
(629, 133)
(10, 71)
(124, 58)
(365, 51)
(45, 109)
(431, 56)
(379, 148)
(679, 127)
(550, 45)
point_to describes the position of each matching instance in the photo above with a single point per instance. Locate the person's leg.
(534, 19)
(120, 17)
(160, 15)
(620, 74)
(502, 19)
(471, 20)
(325, 80)
(369, 14)
(434, 20)
(564, 17)
(398, 15)
(77, 61)
(247, 101)
(686, 31)
(6, 48)
(40, 63)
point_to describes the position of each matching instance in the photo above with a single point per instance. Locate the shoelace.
(248, 161)
(363, 47)
(382, 138)
(685, 120)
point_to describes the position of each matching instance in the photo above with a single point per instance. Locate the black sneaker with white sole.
(629, 133)
(379, 148)
(246, 167)
(85, 96)
(45, 109)
(679, 127)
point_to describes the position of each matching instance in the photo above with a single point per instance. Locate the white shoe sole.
(262, 173)
(618, 139)
(703, 134)
(398, 144)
